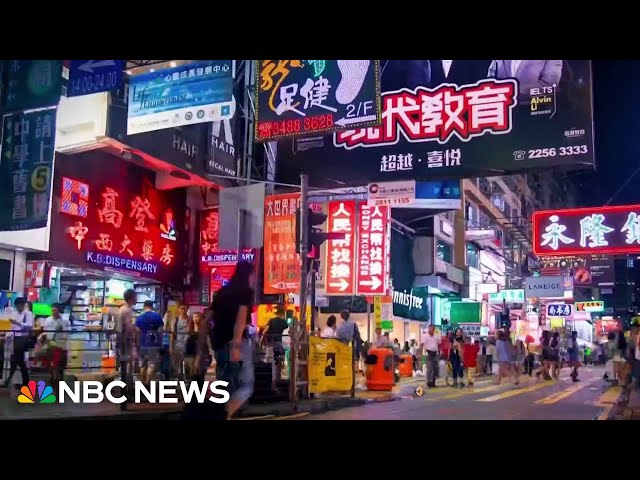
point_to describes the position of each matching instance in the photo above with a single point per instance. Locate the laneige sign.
(545, 286)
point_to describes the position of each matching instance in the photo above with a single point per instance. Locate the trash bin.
(406, 365)
(380, 369)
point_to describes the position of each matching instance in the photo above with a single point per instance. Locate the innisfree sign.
(411, 305)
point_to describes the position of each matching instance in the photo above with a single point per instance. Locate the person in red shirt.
(469, 356)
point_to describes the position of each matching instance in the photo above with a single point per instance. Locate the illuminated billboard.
(579, 231)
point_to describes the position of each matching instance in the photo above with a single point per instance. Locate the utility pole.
(298, 339)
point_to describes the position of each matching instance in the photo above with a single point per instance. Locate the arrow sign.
(348, 121)
(341, 285)
(93, 76)
(374, 283)
(89, 65)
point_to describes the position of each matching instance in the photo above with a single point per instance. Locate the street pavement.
(590, 399)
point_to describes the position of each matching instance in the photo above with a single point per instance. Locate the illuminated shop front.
(111, 229)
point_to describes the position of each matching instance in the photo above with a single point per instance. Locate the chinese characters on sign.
(281, 262)
(372, 271)
(208, 232)
(340, 264)
(604, 230)
(302, 97)
(559, 310)
(32, 84)
(594, 306)
(467, 112)
(469, 123)
(26, 166)
(188, 94)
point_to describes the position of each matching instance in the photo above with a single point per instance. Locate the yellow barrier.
(330, 365)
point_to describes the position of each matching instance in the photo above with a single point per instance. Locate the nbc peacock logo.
(36, 393)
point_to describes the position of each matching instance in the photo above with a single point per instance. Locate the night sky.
(617, 136)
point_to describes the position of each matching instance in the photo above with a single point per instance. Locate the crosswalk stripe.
(517, 391)
(556, 397)
(610, 396)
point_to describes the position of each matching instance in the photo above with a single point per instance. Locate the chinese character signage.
(397, 194)
(458, 119)
(209, 221)
(305, 97)
(193, 93)
(32, 84)
(281, 262)
(373, 245)
(26, 166)
(595, 306)
(109, 215)
(559, 310)
(515, 295)
(340, 261)
(598, 230)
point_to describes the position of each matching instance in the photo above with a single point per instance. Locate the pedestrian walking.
(456, 358)
(506, 358)
(149, 326)
(530, 358)
(491, 355)
(573, 350)
(470, 354)
(520, 355)
(546, 355)
(554, 353)
(230, 340)
(430, 344)
(19, 341)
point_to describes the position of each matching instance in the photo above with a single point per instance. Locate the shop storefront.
(111, 230)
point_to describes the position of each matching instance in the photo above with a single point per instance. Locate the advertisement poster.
(586, 231)
(26, 166)
(372, 267)
(340, 261)
(281, 262)
(458, 119)
(172, 97)
(306, 97)
(32, 84)
(114, 219)
(330, 365)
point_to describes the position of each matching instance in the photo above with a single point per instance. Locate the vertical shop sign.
(377, 311)
(281, 262)
(26, 167)
(340, 262)
(372, 264)
(208, 232)
(32, 84)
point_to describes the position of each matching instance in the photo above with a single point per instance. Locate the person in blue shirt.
(149, 325)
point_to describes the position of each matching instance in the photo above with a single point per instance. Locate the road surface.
(590, 399)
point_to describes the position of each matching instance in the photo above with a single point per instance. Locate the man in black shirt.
(231, 308)
(272, 337)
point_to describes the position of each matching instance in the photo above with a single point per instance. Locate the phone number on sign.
(559, 152)
(289, 127)
(379, 202)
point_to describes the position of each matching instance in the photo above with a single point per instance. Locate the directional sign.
(93, 76)
(559, 310)
(307, 97)
(594, 306)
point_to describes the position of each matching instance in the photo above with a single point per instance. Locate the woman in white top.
(330, 330)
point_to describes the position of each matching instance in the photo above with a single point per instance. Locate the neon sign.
(74, 198)
(109, 237)
(602, 230)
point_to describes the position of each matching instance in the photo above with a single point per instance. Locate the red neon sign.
(340, 262)
(372, 264)
(209, 232)
(579, 231)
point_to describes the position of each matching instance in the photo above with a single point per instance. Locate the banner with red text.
(281, 262)
(457, 119)
(373, 245)
(340, 262)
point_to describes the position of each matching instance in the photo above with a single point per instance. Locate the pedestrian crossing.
(485, 390)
